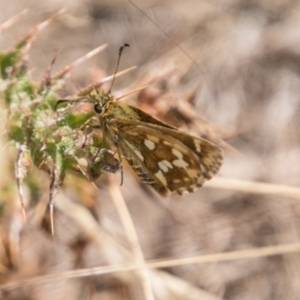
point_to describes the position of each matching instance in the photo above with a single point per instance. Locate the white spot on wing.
(161, 177)
(203, 169)
(180, 163)
(165, 165)
(149, 144)
(177, 153)
(197, 145)
(168, 164)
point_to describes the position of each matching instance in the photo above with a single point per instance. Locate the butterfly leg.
(121, 166)
(102, 149)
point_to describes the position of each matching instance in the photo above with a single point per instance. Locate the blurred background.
(225, 70)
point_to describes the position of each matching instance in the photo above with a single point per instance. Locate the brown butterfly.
(162, 156)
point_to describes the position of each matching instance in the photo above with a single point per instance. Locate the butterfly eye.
(98, 108)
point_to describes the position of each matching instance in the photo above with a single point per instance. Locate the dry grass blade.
(12, 20)
(78, 61)
(132, 237)
(213, 258)
(32, 35)
(252, 187)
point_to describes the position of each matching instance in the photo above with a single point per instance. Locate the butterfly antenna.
(117, 67)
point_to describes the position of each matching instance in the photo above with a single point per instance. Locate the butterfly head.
(101, 100)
